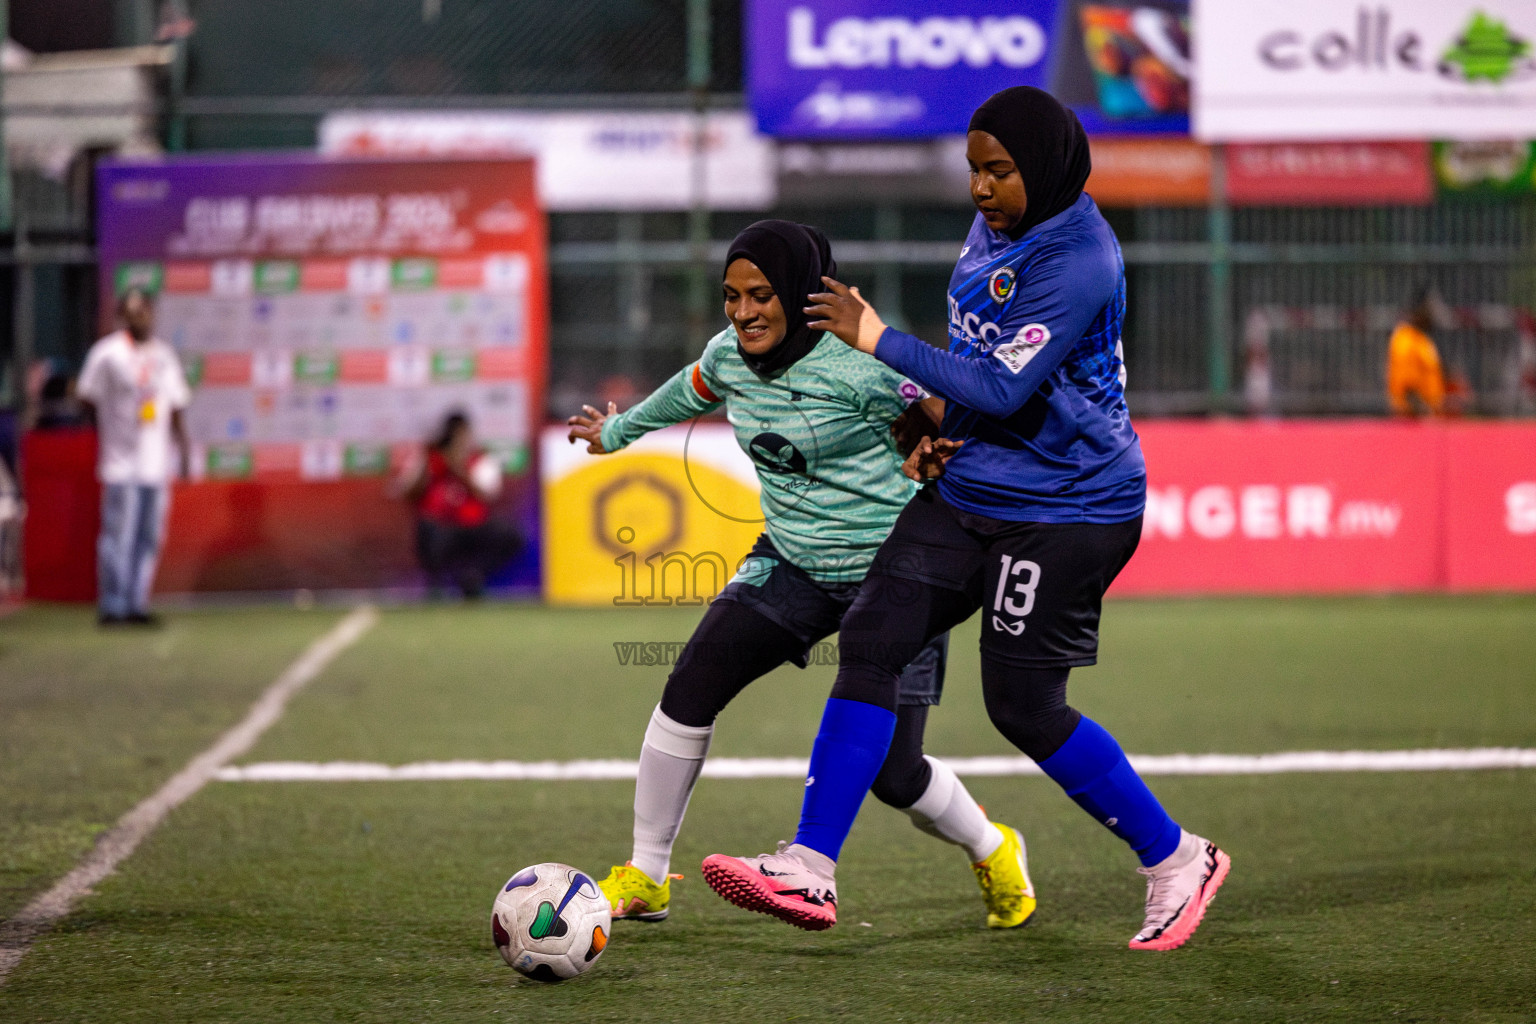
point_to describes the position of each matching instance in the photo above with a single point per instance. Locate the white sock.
(947, 810)
(670, 761)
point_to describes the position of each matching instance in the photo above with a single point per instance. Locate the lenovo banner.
(1311, 507)
(1276, 70)
(894, 68)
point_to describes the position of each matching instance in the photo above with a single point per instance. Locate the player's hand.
(843, 311)
(921, 420)
(588, 427)
(927, 460)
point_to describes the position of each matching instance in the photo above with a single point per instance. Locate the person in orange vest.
(1415, 379)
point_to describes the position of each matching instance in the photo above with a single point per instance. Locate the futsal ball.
(485, 474)
(550, 922)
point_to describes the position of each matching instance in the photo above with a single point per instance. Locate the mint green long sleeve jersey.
(819, 436)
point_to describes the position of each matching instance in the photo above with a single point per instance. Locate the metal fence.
(1313, 296)
(1263, 310)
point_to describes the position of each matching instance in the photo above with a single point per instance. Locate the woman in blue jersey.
(1036, 505)
(816, 420)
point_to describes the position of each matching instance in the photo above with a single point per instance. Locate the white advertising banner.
(587, 160)
(1280, 70)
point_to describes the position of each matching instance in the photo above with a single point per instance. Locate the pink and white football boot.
(779, 884)
(1178, 891)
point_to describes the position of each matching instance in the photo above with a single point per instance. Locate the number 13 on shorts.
(1018, 579)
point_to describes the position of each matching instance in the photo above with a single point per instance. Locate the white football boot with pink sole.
(778, 884)
(1178, 891)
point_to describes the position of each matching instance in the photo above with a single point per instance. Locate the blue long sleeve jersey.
(1035, 375)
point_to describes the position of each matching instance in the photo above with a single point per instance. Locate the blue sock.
(849, 750)
(1093, 770)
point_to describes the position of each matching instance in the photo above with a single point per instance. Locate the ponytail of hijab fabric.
(793, 257)
(1048, 145)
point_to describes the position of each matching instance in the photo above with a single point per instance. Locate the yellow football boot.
(1005, 884)
(632, 896)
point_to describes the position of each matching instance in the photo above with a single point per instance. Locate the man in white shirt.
(134, 384)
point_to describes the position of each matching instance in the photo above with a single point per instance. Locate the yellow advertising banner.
(666, 521)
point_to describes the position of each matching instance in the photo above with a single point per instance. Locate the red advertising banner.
(1288, 507)
(1329, 173)
(275, 535)
(1283, 507)
(1491, 507)
(58, 477)
(1297, 507)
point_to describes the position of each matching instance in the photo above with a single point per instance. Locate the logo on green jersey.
(776, 454)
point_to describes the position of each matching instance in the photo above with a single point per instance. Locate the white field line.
(118, 842)
(794, 768)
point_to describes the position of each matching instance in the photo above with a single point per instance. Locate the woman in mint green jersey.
(816, 419)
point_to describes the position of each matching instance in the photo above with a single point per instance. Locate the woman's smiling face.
(753, 307)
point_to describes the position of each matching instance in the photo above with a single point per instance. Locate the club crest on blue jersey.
(1000, 284)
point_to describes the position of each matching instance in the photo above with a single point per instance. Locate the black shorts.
(1040, 586)
(787, 596)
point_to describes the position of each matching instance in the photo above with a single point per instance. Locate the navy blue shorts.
(787, 596)
(1040, 586)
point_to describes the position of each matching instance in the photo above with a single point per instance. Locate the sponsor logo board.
(587, 160)
(896, 68)
(644, 526)
(1272, 70)
(1310, 507)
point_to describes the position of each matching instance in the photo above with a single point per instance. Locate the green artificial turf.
(1382, 897)
(1351, 898)
(92, 720)
(1239, 676)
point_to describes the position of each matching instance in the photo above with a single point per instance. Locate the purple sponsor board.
(330, 314)
(841, 69)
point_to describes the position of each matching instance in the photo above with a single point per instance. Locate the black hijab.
(1048, 145)
(793, 257)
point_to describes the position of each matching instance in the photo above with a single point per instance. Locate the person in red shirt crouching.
(452, 488)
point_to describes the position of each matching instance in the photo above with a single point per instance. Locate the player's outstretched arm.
(680, 399)
(981, 384)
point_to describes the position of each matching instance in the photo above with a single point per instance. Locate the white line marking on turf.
(118, 842)
(793, 768)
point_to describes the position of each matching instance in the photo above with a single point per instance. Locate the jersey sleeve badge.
(1025, 345)
(911, 392)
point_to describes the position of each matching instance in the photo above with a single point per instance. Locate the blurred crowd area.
(1251, 308)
